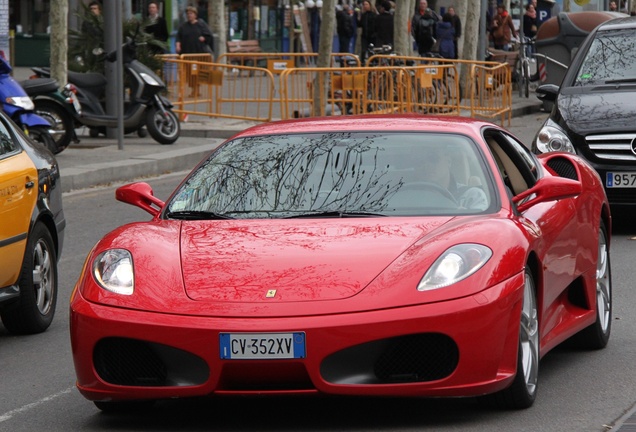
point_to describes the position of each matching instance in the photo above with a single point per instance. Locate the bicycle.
(522, 66)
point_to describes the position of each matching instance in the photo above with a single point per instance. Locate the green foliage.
(90, 37)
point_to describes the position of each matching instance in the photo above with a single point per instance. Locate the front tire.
(60, 119)
(164, 129)
(41, 135)
(523, 390)
(34, 310)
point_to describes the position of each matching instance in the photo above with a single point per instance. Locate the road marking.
(27, 407)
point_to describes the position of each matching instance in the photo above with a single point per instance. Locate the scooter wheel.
(60, 119)
(164, 129)
(142, 133)
(41, 134)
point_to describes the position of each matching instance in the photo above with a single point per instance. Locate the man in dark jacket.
(366, 21)
(423, 28)
(344, 27)
(384, 25)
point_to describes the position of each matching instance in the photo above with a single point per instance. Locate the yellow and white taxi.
(31, 231)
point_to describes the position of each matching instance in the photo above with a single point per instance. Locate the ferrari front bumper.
(462, 347)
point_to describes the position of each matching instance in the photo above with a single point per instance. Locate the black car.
(594, 113)
(31, 231)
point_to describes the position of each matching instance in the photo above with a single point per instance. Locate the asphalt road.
(579, 390)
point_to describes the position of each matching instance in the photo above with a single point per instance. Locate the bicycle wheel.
(526, 77)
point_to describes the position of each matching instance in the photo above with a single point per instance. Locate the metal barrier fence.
(360, 90)
(277, 62)
(491, 91)
(399, 85)
(218, 90)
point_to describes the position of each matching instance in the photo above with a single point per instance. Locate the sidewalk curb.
(91, 175)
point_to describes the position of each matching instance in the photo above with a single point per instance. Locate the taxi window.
(7, 145)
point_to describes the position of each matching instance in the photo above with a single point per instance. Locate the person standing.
(446, 36)
(384, 25)
(194, 36)
(157, 27)
(423, 28)
(344, 28)
(457, 25)
(502, 28)
(530, 22)
(366, 21)
(93, 24)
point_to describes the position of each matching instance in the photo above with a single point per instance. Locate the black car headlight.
(551, 138)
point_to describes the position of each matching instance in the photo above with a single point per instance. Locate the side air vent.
(563, 167)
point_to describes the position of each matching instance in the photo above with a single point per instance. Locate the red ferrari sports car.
(373, 255)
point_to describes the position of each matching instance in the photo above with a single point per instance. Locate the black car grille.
(405, 359)
(614, 147)
(131, 362)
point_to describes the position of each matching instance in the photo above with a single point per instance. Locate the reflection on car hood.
(239, 261)
(598, 111)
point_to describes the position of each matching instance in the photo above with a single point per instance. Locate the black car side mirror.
(547, 92)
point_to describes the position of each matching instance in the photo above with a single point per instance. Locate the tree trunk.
(216, 18)
(469, 50)
(59, 41)
(401, 36)
(325, 46)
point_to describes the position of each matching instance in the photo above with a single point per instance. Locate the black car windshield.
(337, 174)
(611, 59)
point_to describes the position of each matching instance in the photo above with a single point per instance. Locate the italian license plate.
(262, 346)
(621, 180)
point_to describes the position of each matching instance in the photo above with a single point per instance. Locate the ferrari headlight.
(455, 264)
(552, 138)
(113, 271)
(23, 102)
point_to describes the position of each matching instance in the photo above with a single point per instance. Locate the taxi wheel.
(33, 311)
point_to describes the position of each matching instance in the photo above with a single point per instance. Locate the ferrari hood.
(291, 260)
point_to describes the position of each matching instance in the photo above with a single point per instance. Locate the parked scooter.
(146, 105)
(58, 107)
(19, 106)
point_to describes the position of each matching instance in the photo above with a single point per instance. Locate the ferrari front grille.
(131, 362)
(412, 358)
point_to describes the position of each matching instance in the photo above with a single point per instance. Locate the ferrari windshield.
(610, 59)
(339, 174)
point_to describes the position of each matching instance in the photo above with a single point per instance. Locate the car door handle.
(29, 184)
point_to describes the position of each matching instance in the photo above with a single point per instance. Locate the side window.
(517, 165)
(7, 145)
(528, 159)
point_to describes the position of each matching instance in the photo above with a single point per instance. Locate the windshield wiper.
(621, 81)
(335, 214)
(196, 215)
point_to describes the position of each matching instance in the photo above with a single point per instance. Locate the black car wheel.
(35, 307)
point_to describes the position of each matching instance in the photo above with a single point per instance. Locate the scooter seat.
(37, 86)
(87, 79)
